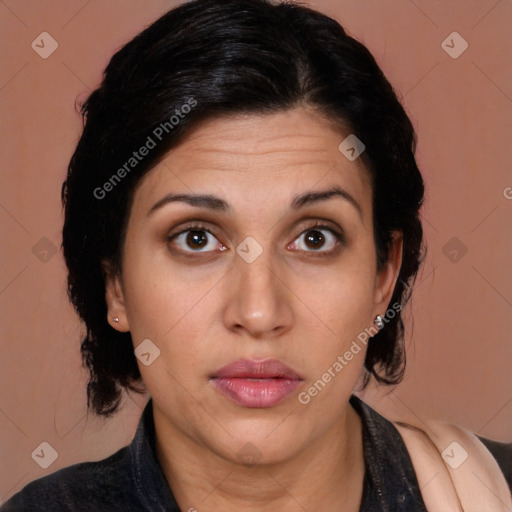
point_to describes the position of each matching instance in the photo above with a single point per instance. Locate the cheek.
(338, 310)
(340, 301)
(344, 316)
(168, 309)
(341, 296)
(168, 302)
(334, 349)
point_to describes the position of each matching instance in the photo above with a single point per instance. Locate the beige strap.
(455, 470)
(433, 478)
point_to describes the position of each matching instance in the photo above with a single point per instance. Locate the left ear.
(386, 279)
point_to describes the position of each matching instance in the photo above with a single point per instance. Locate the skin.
(209, 309)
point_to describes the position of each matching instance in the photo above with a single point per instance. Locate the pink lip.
(256, 383)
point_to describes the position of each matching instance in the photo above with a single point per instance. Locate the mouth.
(256, 384)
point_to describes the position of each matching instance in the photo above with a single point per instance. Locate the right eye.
(195, 237)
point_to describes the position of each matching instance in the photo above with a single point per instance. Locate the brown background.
(460, 351)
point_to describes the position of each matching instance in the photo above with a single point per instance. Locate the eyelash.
(317, 226)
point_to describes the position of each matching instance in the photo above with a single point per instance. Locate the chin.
(258, 444)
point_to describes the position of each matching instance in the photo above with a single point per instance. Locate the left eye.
(315, 239)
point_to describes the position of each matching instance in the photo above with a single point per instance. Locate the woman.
(242, 233)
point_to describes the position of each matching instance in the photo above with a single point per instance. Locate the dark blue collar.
(152, 487)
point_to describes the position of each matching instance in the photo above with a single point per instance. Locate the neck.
(326, 475)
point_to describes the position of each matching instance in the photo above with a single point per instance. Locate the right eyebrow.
(199, 200)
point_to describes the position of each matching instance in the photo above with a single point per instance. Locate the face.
(265, 273)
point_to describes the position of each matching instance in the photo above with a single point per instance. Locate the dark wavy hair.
(228, 56)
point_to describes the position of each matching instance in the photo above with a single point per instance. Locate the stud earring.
(116, 320)
(379, 322)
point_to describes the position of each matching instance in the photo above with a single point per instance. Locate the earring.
(379, 322)
(116, 320)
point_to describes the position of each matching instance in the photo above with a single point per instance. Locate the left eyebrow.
(217, 204)
(323, 195)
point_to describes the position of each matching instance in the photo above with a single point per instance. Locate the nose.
(259, 303)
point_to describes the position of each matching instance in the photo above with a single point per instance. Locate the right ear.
(114, 297)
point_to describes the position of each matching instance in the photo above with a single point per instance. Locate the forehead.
(267, 158)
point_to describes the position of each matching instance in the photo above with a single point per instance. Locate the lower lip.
(256, 392)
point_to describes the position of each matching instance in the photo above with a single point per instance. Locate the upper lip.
(249, 369)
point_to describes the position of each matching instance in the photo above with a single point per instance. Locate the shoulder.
(456, 465)
(101, 485)
(457, 445)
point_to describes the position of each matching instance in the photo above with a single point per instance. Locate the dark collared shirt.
(132, 480)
